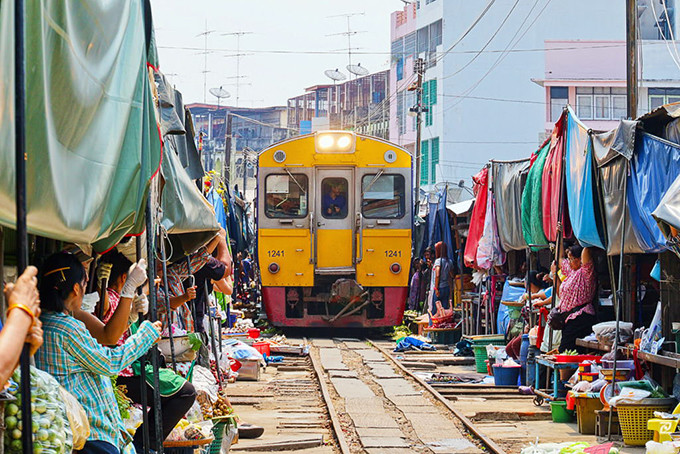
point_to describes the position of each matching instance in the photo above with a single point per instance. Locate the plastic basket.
(481, 355)
(559, 412)
(263, 347)
(633, 420)
(506, 376)
(218, 430)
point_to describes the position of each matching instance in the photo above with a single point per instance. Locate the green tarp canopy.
(92, 140)
(532, 206)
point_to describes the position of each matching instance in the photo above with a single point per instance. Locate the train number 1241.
(275, 253)
(391, 253)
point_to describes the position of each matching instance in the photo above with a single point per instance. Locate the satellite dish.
(357, 70)
(334, 74)
(219, 93)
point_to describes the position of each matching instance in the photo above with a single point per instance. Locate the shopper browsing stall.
(77, 360)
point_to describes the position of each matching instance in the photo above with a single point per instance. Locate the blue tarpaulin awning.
(584, 212)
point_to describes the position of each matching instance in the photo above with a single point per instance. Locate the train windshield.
(383, 196)
(286, 195)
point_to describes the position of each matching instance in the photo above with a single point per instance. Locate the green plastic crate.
(481, 356)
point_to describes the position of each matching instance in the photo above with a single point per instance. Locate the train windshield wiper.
(296, 181)
(370, 185)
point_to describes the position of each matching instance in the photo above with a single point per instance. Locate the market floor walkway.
(383, 411)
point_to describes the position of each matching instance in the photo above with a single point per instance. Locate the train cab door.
(334, 221)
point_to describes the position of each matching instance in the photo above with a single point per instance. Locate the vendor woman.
(77, 360)
(576, 294)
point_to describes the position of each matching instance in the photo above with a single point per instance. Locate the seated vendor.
(77, 360)
(116, 327)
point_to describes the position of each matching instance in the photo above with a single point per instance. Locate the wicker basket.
(633, 419)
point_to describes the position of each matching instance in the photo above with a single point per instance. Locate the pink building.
(591, 77)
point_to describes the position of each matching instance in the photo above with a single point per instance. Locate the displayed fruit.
(222, 407)
(206, 405)
(193, 432)
(50, 427)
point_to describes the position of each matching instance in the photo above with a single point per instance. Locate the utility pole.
(227, 151)
(419, 68)
(632, 58)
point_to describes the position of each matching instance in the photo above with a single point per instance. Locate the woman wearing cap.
(77, 360)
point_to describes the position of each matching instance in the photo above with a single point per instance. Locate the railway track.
(351, 396)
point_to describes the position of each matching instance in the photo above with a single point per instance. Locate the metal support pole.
(168, 309)
(632, 58)
(142, 374)
(226, 173)
(620, 296)
(20, 157)
(153, 316)
(213, 344)
(419, 69)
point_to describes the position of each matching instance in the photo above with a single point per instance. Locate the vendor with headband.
(74, 357)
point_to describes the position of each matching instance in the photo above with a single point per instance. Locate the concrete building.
(491, 67)
(360, 104)
(253, 129)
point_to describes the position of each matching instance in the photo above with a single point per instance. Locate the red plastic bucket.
(253, 333)
(263, 347)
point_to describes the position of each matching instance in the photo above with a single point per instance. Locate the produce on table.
(51, 430)
(569, 353)
(222, 407)
(124, 403)
(204, 401)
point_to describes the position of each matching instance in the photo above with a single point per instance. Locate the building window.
(559, 98)
(400, 69)
(409, 45)
(401, 120)
(434, 159)
(429, 99)
(424, 162)
(660, 96)
(601, 103)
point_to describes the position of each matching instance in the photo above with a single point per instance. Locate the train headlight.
(274, 268)
(335, 142)
(395, 268)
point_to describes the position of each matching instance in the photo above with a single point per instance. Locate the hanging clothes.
(489, 250)
(508, 180)
(216, 201)
(654, 168)
(532, 206)
(481, 189)
(584, 212)
(552, 185)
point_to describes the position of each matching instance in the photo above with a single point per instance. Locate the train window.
(383, 196)
(334, 198)
(286, 196)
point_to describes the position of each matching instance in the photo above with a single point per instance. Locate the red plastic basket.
(263, 347)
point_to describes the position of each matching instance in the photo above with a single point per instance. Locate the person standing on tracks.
(440, 288)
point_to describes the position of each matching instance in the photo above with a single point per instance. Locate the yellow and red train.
(334, 220)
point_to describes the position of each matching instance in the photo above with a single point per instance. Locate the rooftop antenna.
(219, 93)
(238, 56)
(334, 75)
(357, 70)
(205, 59)
(349, 33)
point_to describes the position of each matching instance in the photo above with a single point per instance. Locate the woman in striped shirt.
(81, 364)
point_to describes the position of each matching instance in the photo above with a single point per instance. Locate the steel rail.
(489, 443)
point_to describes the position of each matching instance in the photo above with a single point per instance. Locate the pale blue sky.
(298, 26)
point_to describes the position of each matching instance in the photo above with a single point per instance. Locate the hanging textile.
(216, 201)
(551, 185)
(92, 137)
(532, 206)
(584, 212)
(667, 214)
(611, 163)
(481, 189)
(489, 251)
(508, 182)
(441, 230)
(187, 216)
(654, 168)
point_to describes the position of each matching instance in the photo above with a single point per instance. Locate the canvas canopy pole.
(153, 315)
(142, 372)
(20, 189)
(168, 309)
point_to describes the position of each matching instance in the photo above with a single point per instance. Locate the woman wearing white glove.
(124, 278)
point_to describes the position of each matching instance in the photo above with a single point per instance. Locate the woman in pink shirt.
(577, 295)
